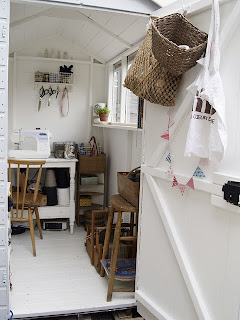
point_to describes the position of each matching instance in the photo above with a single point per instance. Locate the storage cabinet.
(91, 184)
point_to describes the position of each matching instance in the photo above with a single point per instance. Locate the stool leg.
(107, 238)
(113, 265)
(92, 236)
(131, 223)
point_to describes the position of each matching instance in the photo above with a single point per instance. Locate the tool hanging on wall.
(57, 92)
(42, 92)
(64, 95)
(50, 92)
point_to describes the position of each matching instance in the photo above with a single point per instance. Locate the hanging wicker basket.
(147, 79)
(169, 33)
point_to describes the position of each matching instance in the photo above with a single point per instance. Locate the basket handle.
(94, 147)
(132, 171)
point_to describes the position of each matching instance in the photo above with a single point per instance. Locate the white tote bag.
(207, 133)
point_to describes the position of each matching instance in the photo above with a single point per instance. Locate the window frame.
(124, 66)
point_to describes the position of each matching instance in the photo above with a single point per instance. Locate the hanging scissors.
(50, 92)
(41, 95)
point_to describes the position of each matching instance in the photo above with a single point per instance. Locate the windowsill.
(120, 126)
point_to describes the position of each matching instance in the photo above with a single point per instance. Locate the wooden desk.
(53, 212)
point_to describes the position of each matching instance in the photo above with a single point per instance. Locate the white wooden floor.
(60, 279)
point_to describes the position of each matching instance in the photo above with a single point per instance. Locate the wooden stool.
(119, 205)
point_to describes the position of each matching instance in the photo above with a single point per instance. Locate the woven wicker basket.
(171, 31)
(147, 79)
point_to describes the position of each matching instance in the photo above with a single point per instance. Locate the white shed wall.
(208, 236)
(24, 112)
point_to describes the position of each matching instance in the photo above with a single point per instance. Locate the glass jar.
(69, 150)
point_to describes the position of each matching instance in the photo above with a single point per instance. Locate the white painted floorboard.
(60, 279)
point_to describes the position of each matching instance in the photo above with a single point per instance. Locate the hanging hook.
(185, 9)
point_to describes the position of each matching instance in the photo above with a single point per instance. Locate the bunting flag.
(166, 135)
(182, 188)
(170, 170)
(190, 183)
(203, 162)
(198, 173)
(175, 183)
(168, 158)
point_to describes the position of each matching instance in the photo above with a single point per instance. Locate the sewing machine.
(31, 144)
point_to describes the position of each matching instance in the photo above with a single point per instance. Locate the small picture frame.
(97, 106)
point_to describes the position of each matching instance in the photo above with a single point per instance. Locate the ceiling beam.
(105, 30)
(56, 12)
(29, 18)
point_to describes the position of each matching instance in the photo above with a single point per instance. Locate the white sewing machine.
(31, 144)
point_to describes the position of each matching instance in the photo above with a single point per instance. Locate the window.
(116, 95)
(125, 105)
(131, 99)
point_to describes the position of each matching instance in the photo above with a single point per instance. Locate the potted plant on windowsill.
(103, 113)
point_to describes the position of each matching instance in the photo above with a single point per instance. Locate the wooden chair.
(26, 201)
(93, 245)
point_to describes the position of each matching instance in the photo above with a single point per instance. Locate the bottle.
(53, 54)
(65, 55)
(46, 53)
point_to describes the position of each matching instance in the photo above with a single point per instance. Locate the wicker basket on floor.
(171, 31)
(99, 219)
(147, 79)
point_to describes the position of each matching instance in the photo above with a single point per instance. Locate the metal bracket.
(4, 32)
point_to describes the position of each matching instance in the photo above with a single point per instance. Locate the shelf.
(94, 205)
(87, 185)
(85, 193)
(118, 126)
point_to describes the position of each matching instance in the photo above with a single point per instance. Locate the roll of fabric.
(62, 177)
(63, 195)
(50, 180)
(52, 199)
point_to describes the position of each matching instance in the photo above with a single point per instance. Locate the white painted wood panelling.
(66, 282)
(4, 264)
(208, 233)
(92, 30)
(141, 6)
(25, 114)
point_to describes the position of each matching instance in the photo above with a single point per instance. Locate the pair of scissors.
(41, 95)
(50, 92)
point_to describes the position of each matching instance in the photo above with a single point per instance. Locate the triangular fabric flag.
(190, 183)
(175, 183)
(166, 135)
(170, 170)
(182, 188)
(198, 173)
(204, 162)
(168, 158)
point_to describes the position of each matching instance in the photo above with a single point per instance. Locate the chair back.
(19, 197)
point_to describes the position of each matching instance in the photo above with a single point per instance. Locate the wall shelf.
(119, 127)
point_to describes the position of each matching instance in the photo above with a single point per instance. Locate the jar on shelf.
(38, 76)
(46, 77)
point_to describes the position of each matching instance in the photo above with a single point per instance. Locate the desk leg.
(72, 191)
